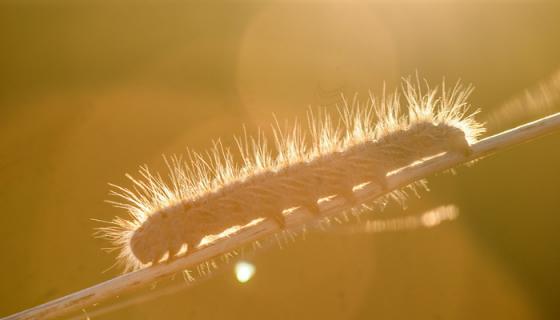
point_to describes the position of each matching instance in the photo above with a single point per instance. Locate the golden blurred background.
(90, 90)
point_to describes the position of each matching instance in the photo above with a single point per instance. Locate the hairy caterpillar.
(208, 195)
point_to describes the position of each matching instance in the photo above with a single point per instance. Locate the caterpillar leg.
(155, 262)
(350, 197)
(460, 145)
(379, 179)
(312, 207)
(342, 185)
(274, 212)
(278, 218)
(172, 253)
(466, 151)
(383, 184)
(190, 248)
(174, 249)
(176, 238)
(266, 201)
(348, 194)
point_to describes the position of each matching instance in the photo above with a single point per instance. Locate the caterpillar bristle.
(204, 195)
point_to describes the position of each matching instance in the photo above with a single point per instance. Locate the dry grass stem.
(131, 281)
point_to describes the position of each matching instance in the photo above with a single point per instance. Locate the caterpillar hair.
(206, 195)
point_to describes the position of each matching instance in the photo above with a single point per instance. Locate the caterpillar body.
(208, 195)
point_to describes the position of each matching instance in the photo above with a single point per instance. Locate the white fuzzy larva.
(206, 196)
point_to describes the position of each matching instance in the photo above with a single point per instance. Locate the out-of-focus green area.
(89, 90)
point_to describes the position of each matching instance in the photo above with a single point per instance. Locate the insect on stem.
(131, 281)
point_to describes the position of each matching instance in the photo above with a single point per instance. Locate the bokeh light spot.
(244, 271)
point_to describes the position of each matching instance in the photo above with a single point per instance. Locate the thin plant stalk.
(296, 220)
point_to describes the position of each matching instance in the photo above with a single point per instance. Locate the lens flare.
(244, 271)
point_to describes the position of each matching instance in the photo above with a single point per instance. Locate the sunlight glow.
(209, 239)
(244, 271)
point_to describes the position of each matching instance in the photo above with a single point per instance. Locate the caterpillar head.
(455, 139)
(158, 235)
(431, 139)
